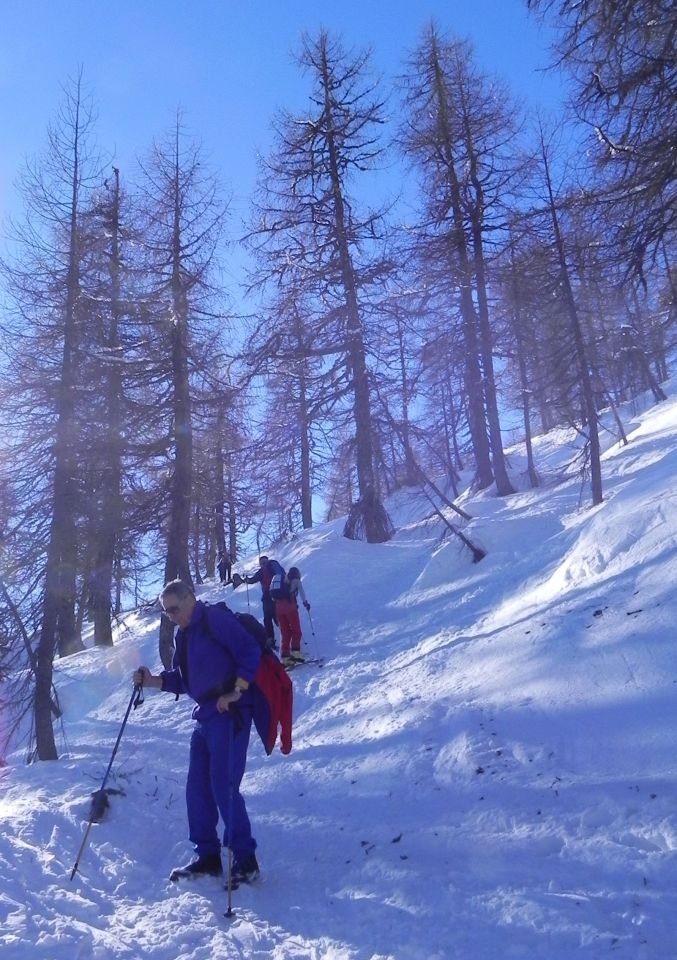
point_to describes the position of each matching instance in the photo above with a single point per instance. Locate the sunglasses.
(174, 608)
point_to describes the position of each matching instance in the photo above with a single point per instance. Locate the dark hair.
(294, 573)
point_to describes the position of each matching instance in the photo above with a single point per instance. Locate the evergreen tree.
(46, 281)
(459, 132)
(184, 222)
(622, 56)
(309, 233)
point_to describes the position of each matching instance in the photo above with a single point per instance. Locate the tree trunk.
(111, 487)
(522, 367)
(58, 627)
(580, 352)
(369, 505)
(177, 563)
(460, 264)
(306, 487)
(232, 515)
(503, 485)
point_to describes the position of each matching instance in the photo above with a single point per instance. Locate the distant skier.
(296, 587)
(287, 610)
(224, 566)
(264, 575)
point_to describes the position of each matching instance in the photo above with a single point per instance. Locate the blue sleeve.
(255, 578)
(172, 681)
(241, 646)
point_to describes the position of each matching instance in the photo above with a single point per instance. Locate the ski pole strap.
(138, 698)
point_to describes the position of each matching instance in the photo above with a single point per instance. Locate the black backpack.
(250, 624)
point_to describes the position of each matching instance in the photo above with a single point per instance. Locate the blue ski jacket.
(210, 654)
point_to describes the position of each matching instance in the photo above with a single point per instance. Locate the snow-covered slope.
(483, 768)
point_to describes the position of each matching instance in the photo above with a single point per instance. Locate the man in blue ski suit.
(214, 662)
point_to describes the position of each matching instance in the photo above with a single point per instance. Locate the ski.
(310, 661)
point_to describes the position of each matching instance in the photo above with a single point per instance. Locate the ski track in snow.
(483, 767)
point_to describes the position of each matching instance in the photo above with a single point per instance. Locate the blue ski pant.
(209, 785)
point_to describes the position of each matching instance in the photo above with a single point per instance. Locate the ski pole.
(136, 700)
(312, 629)
(247, 585)
(315, 651)
(231, 748)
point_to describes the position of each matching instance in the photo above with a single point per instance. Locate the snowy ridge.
(483, 768)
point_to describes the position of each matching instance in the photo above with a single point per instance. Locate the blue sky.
(227, 64)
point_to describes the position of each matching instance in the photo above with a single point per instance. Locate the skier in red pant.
(287, 614)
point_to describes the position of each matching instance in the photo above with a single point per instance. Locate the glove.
(306, 605)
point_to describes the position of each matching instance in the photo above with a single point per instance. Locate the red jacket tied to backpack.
(273, 702)
(271, 690)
